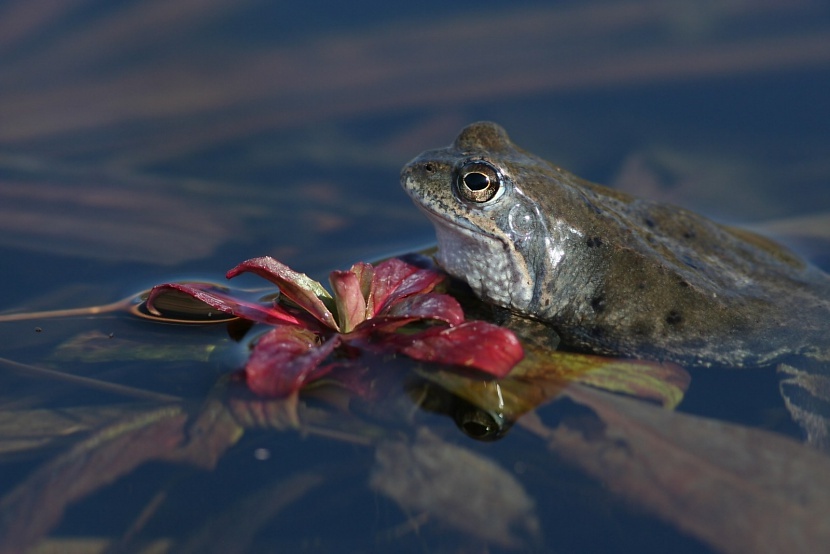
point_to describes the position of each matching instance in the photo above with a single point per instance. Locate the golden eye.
(478, 181)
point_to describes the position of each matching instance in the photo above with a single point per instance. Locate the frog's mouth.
(464, 226)
(483, 260)
(462, 234)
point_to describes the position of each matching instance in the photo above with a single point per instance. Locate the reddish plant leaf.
(351, 304)
(298, 287)
(378, 332)
(421, 281)
(285, 358)
(365, 275)
(475, 344)
(273, 315)
(442, 307)
(387, 279)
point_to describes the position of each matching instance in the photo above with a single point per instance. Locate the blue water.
(143, 143)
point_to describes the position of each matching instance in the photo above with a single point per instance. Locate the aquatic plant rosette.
(387, 308)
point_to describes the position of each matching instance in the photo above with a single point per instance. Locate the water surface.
(146, 142)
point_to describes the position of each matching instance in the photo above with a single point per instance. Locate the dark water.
(148, 142)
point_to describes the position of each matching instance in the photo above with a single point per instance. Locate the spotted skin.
(612, 273)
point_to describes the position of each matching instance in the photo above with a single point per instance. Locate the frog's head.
(493, 207)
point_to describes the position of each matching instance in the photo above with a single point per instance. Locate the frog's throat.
(485, 262)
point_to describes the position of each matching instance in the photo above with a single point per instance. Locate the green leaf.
(96, 347)
(543, 374)
(665, 383)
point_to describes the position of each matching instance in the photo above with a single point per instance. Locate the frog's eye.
(478, 181)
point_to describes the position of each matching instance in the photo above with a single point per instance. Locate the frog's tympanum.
(618, 275)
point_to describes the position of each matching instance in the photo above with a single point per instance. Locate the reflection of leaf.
(543, 374)
(22, 430)
(31, 509)
(99, 68)
(95, 347)
(309, 418)
(662, 382)
(806, 393)
(736, 488)
(117, 222)
(234, 529)
(457, 487)
(212, 432)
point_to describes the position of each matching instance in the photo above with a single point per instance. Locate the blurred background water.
(144, 142)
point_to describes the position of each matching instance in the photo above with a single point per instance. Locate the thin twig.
(70, 312)
(97, 384)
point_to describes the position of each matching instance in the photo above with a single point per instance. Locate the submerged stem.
(69, 312)
(88, 382)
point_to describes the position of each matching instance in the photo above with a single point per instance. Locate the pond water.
(150, 142)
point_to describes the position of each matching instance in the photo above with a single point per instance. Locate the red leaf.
(273, 315)
(365, 274)
(442, 307)
(298, 287)
(421, 281)
(351, 304)
(388, 276)
(374, 331)
(395, 279)
(285, 358)
(474, 344)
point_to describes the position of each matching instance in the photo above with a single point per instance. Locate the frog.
(617, 275)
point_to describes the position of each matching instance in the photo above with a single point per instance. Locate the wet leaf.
(284, 358)
(457, 487)
(441, 307)
(224, 303)
(421, 281)
(349, 299)
(298, 287)
(395, 279)
(365, 276)
(372, 306)
(388, 276)
(509, 397)
(474, 344)
(665, 383)
(170, 304)
(543, 374)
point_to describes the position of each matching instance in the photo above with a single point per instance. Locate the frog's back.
(622, 276)
(679, 286)
(612, 273)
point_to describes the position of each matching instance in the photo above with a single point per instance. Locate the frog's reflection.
(488, 423)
